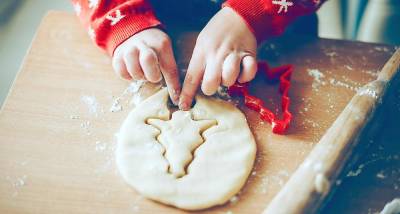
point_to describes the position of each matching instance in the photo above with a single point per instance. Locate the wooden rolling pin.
(310, 183)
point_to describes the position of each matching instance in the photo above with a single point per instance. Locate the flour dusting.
(17, 183)
(348, 67)
(135, 86)
(358, 171)
(331, 53)
(280, 178)
(116, 105)
(339, 83)
(367, 92)
(86, 127)
(318, 78)
(91, 103)
(380, 48)
(100, 146)
(74, 117)
(380, 175)
(371, 73)
(132, 92)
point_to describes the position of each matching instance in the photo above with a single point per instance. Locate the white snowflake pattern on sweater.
(284, 5)
(115, 19)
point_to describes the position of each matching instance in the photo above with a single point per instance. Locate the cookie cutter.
(283, 74)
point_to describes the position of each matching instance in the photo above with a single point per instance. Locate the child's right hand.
(148, 55)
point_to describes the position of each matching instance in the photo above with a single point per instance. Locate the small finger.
(149, 64)
(120, 68)
(249, 69)
(131, 60)
(230, 69)
(170, 72)
(212, 77)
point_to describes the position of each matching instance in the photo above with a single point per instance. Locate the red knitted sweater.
(110, 22)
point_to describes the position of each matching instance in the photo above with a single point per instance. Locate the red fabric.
(97, 17)
(266, 17)
(110, 22)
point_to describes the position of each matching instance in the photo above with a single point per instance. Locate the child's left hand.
(225, 52)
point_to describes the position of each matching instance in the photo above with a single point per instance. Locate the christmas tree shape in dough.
(180, 136)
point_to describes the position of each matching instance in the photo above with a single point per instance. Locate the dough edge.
(231, 126)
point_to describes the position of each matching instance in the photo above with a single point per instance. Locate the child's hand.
(225, 51)
(148, 55)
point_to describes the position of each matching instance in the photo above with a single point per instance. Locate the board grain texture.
(57, 133)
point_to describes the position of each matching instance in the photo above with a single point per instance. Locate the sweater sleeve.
(267, 18)
(109, 23)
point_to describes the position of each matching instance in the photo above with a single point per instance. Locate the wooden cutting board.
(57, 131)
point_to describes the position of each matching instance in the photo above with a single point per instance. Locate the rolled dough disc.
(216, 162)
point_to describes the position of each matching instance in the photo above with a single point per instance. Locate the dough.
(193, 160)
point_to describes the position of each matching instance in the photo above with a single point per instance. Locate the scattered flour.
(20, 181)
(371, 73)
(100, 146)
(135, 86)
(17, 183)
(132, 92)
(380, 175)
(91, 103)
(352, 173)
(116, 105)
(74, 117)
(318, 78)
(339, 83)
(367, 92)
(311, 122)
(86, 127)
(348, 67)
(331, 53)
(379, 48)
(280, 178)
(392, 207)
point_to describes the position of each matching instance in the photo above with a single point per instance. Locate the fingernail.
(158, 80)
(240, 80)
(175, 96)
(175, 100)
(183, 106)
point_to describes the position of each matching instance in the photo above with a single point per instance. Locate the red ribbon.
(281, 73)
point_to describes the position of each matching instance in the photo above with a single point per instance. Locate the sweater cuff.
(259, 17)
(128, 27)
